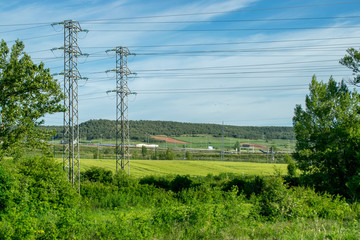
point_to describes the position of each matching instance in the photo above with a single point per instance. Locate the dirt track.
(168, 140)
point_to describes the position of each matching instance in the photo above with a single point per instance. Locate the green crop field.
(204, 141)
(140, 168)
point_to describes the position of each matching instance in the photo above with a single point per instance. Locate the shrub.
(180, 183)
(159, 182)
(42, 180)
(239, 183)
(188, 155)
(169, 155)
(272, 198)
(246, 186)
(277, 201)
(122, 179)
(291, 167)
(98, 174)
(257, 185)
(5, 185)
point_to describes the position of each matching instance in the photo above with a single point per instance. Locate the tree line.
(142, 129)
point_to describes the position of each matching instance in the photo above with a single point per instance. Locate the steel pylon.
(71, 155)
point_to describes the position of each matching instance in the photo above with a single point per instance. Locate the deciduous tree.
(27, 93)
(328, 135)
(143, 151)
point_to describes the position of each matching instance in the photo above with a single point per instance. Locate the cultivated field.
(140, 168)
(168, 140)
(204, 141)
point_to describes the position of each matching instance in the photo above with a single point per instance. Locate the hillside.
(139, 130)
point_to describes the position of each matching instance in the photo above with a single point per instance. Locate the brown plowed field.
(256, 146)
(168, 140)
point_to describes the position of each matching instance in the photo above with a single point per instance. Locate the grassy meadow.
(141, 168)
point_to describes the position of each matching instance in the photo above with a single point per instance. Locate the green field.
(140, 168)
(204, 141)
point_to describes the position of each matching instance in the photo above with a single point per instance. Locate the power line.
(220, 43)
(251, 72)
(247, 50)
(286, 54)
(244, 42)
(22, 29)
(223, 88)
(104, 79)
(228, 21)
(248, 67)
(280, 67)
(222, 29)
(274, 88)
(270, 48)
(31, 38)
(25, 24)
(230, 50)
(233, 66)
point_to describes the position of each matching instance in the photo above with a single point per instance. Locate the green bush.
(257, 186)
(180, 183)
(39, 192)
(169, 155)
(188, 155)
(42, 180)
(276, 202)
(98, 174)
(248, 186)
(5, 185)
(238, 182)
(122, 179)
(291, 166)
(158, 182)
(273, 198)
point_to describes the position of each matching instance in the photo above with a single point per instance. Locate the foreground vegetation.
(37, 202)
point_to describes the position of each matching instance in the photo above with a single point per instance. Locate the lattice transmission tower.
(71, 155)
(122, 122)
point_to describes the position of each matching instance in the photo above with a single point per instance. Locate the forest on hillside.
(139, 130)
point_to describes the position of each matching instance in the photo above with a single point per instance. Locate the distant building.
(211, 148)
(147, 145)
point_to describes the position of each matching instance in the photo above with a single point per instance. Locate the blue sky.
(245, 62)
